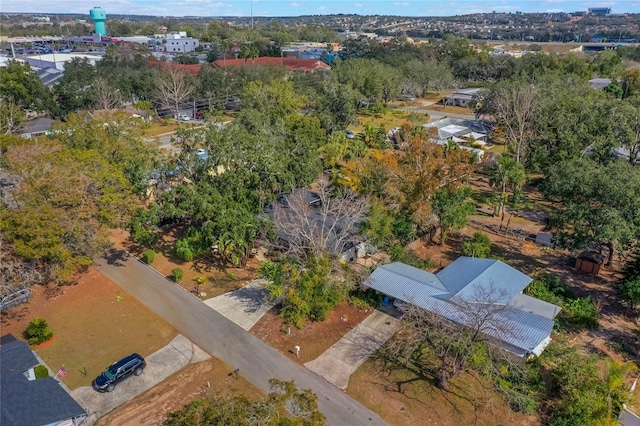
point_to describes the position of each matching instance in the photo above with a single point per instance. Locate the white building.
(58, 60)
(177, 42)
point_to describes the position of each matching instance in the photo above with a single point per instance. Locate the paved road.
(220, 337)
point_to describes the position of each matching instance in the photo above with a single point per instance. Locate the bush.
(630, 292)
(148, 256)
(366, 299)
(38, 331)
(582, 312)
(478, 246)
(177, 274)
(577, 311)
(41, 371)
(397, 253)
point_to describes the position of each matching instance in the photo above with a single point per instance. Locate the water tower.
(99, 18)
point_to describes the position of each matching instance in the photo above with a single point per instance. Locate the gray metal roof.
(535, 306)
(519, 326)
(30, 403)
(465, 275)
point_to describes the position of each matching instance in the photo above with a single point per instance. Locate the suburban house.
(461, 97)
(463, 132)
(27, 401)
(292, 64)
(471, 288)
(38, 127)
(325, 225)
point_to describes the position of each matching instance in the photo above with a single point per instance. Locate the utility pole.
(493, 18)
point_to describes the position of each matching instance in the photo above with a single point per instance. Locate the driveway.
(161, 364)
(244, 306)
(222, 338)
(342, 359)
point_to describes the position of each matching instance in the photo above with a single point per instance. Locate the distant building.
(461, 97)
(599, 11)
(292, 64)
(37, 127)
(599, 83)
(178, 42)
(58, 60)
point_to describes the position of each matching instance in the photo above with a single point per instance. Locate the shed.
(589, 262)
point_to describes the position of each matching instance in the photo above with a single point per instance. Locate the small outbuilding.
(589, 262)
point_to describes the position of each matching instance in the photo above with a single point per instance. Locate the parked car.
(184, 117)
(119, 370)
(350, 134)
(407, 98)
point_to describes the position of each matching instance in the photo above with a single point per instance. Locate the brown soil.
(314, 338)
(220, 277)
(195, 381)
(91, 327)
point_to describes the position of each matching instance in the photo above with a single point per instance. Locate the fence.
(15, 297)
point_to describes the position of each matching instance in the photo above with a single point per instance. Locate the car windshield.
(109, 374)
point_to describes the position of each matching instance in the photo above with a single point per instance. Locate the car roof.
(126, 359)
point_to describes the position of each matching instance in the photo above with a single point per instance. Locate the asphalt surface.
(220, 337)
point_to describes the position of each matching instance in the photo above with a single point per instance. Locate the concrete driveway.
(342, 359)
(244, 306)
(161, 364)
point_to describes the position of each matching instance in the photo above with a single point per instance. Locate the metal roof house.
(27, 401)
(461, 97)
(489, 286)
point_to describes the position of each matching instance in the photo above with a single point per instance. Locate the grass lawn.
(390, 119)
(450, 109)
(91, 328)
(158, 127)
(404, 399)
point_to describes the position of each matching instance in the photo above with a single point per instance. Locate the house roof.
(592, 256)
(49, 76)
(292, 64)
(520, 323)
(466, 94)
(452, 127)
(39, 125)
(30, 402)
(465, 274)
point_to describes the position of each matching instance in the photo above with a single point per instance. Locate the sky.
(302, 7)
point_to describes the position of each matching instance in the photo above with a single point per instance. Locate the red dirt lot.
(314, 338)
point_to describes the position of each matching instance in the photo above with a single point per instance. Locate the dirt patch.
(220, 278)
(94, 323)
(195, 381)
(404, 400)
(314, 338)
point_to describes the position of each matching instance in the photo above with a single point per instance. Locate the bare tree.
(451, 333)
(173, 87)
(107, 96)
(12, 117)
(319, 222)
(514, 107)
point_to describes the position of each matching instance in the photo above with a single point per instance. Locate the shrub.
(397, 253)
(478, 246)
(41, 371)
(630, 292)
(177, 274)
(38, 331)
(582, 312)
(148, 256)
(366, 299)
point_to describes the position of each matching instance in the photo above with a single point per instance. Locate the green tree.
(21, 87)
(506, 175)
(477, 246)
(75, 90)
(630, 292)
(452, 207)
(236, 409)
(594, 207)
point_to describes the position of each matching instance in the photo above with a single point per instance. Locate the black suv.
(132, 364)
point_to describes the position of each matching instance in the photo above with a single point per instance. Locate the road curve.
(220, 337)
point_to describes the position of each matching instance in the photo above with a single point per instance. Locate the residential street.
(220, 337)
